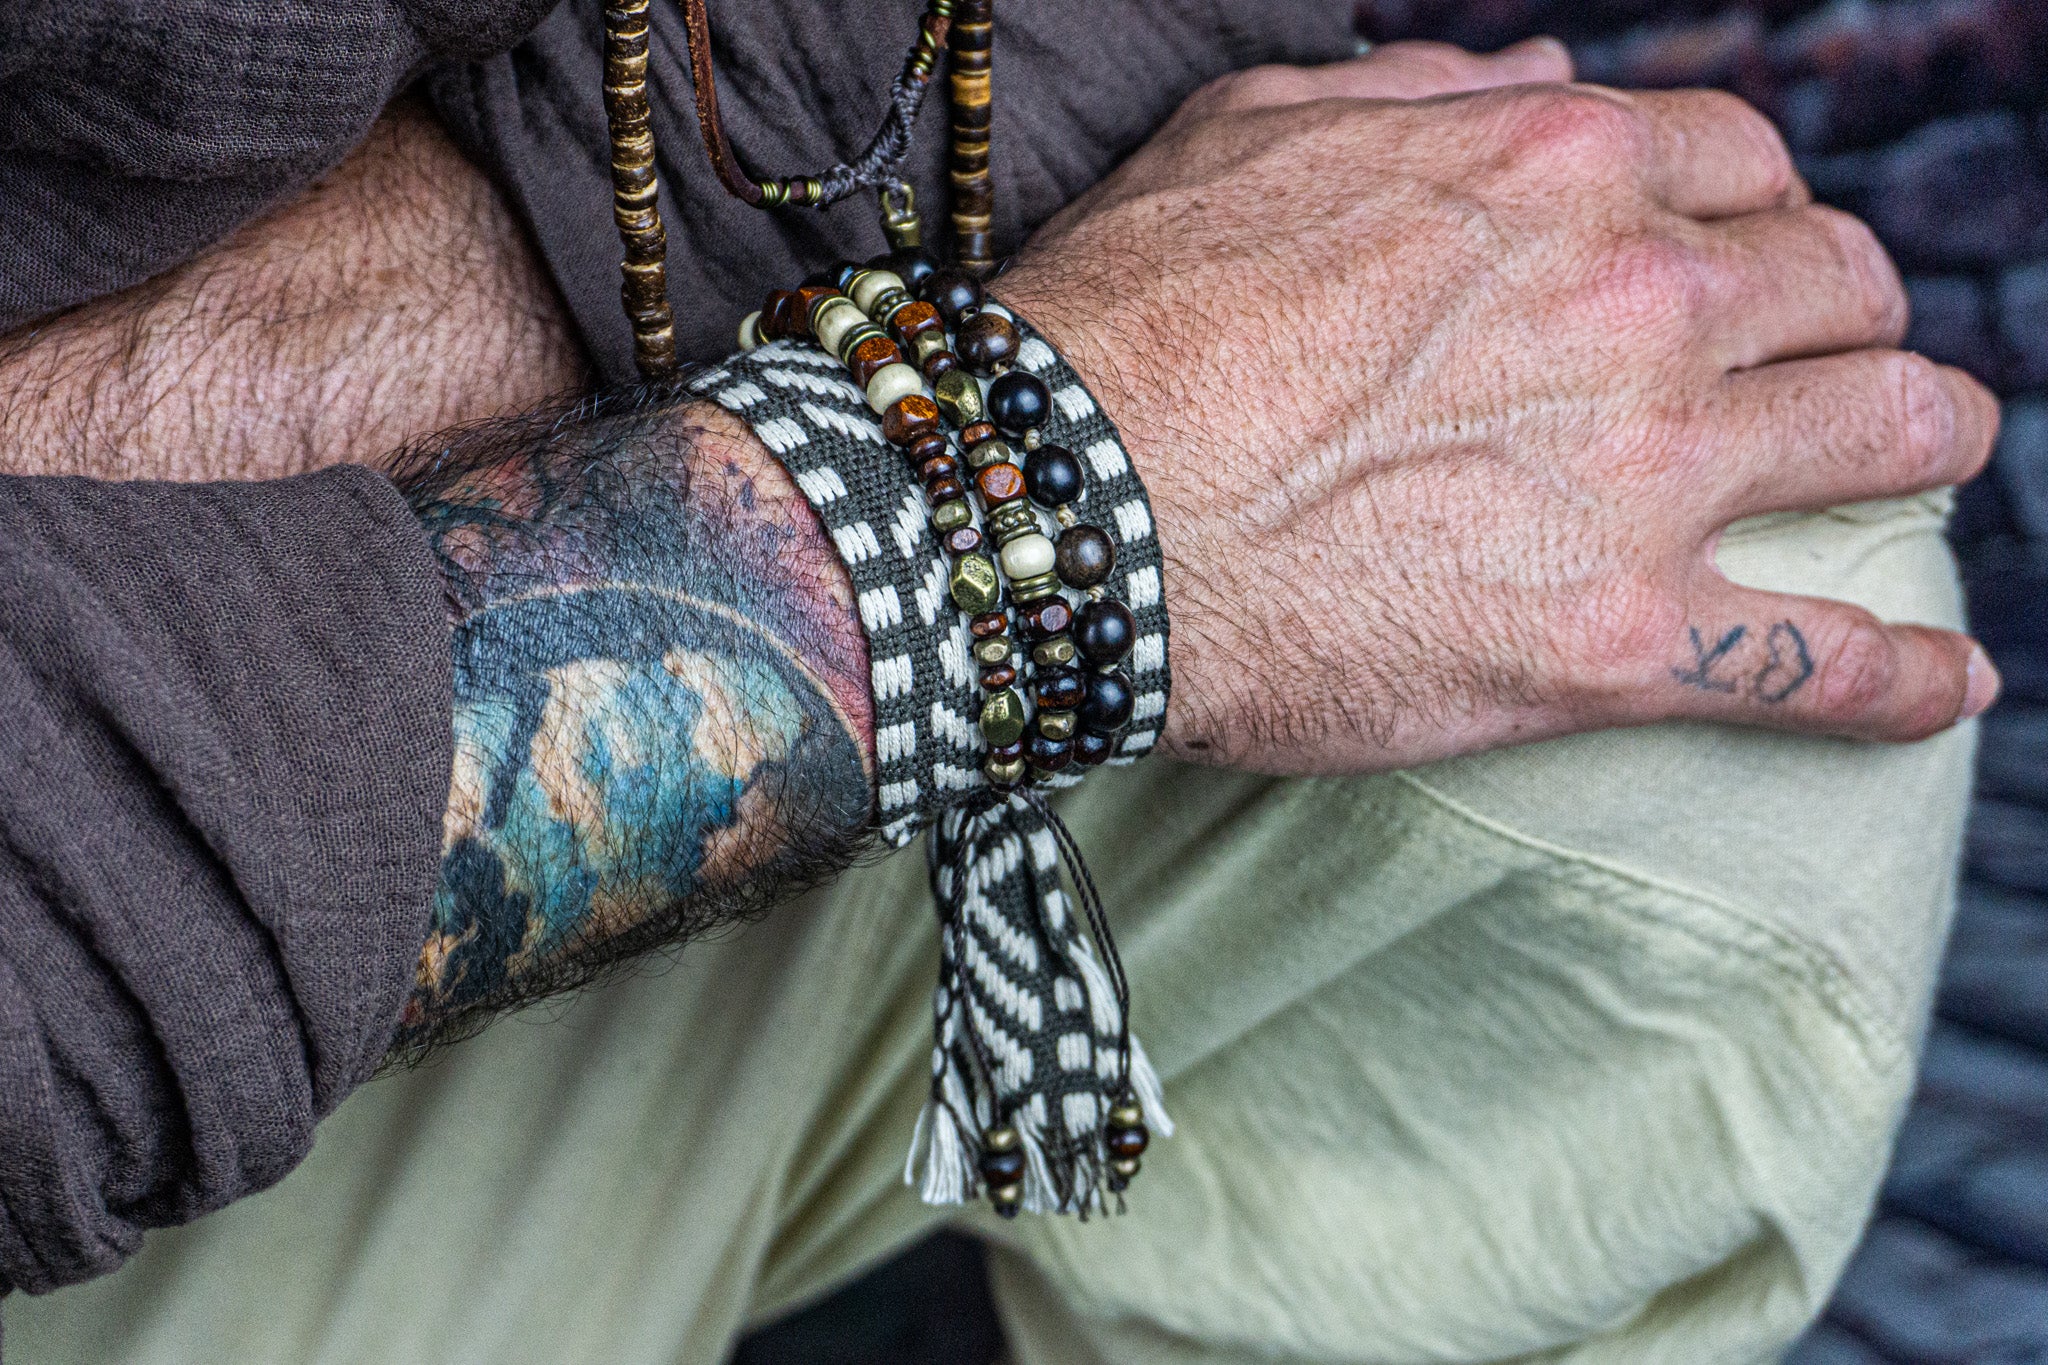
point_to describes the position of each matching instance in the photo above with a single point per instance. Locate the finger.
(1805, 281)
(1713, 155)
(1811, 434)
(1808, 664)
(1403, 71)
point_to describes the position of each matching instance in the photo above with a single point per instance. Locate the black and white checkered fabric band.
(1031, 1022)
(808, 411)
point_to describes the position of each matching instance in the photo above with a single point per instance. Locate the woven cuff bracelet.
(1040, 1095)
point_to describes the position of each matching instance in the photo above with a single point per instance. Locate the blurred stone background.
(1929, 118)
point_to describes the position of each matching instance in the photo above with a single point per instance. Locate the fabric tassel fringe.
(1041, 1097)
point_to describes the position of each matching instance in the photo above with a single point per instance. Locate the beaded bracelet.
(1040, 1095)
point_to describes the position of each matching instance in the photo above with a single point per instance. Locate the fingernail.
(1984, 684)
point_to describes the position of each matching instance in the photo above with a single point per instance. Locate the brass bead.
(1003, 1196)
(1056, 724)
(1053, 653)
(1126, 1167)
(1032, 589)
(988, 452)
(951, 516)
(1004, 772)
(1012, 519)
(1002, 718)
(973, 583)
(992, 651)
(959, 397)
(929, 345)
(1126, 1116)
(999, 1139)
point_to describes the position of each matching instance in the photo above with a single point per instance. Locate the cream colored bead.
(836, 317)
(871, 285)
(749, 336)
(896, 381)
(1028, 556)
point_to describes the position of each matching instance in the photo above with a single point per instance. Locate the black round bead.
(954, 292)
(1084, 556)
(1003, 1168)
(1017, 402)
(909, 265)
(1059, 689)
(1052, 476)
(1108, 703)
(1091, 748)
(1103, 631)
(1048, 755)
(1127, 1142)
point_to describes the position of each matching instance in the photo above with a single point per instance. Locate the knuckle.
(1858, 673)
(1923, 412)
(1651, 283)
(1575, 130)
(1620, 633)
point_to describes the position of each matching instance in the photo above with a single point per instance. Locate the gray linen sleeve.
(224, 755)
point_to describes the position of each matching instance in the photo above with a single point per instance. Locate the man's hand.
(1444, 403)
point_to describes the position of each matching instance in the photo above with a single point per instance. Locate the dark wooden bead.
(986, 343)
(963, 541)
(1059, 689)
(1018, 401)
(782, 317)
(1084, 556)
(912, 321)
(974, 433)
(939, 364)
(954, 292)
(1124, 1143)
(909, 266)
(1000, 483)
(1047, 755)
(940, 466)
(1004, 753)
(1091, 748)
(989, 623)
(1003, 1168)
(1108, 704)
(910, 419)
(1045, 618)
(1103, 631)
(870, 356)
(945, 490)
(997, 678)
(1053, 475)
(928, 448)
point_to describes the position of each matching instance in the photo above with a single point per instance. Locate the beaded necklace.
(897, 323)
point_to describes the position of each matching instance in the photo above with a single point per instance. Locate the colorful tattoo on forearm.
(661, 720)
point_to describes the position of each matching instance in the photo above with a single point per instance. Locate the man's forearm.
(399, 295)
(662, 718)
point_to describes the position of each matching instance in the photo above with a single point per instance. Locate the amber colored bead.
(987, 342)
(941, 466)
(867, 359)
(1103, 631)
(954, 292)
(928, 448)
(912, 321)
(964, 540)
(1001, 676)
(989, 623)
(1046, 618)
(1047, 755)
(782, 316)
(1091, 748)
(945, 490)
(1061, 689)
(1085, 556)
(975, 433)
(1125, 1143)
(1000, 483)
(909, 419)
(938, 365)
(1003, 1168)
(1109, 701)
(808, 293)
